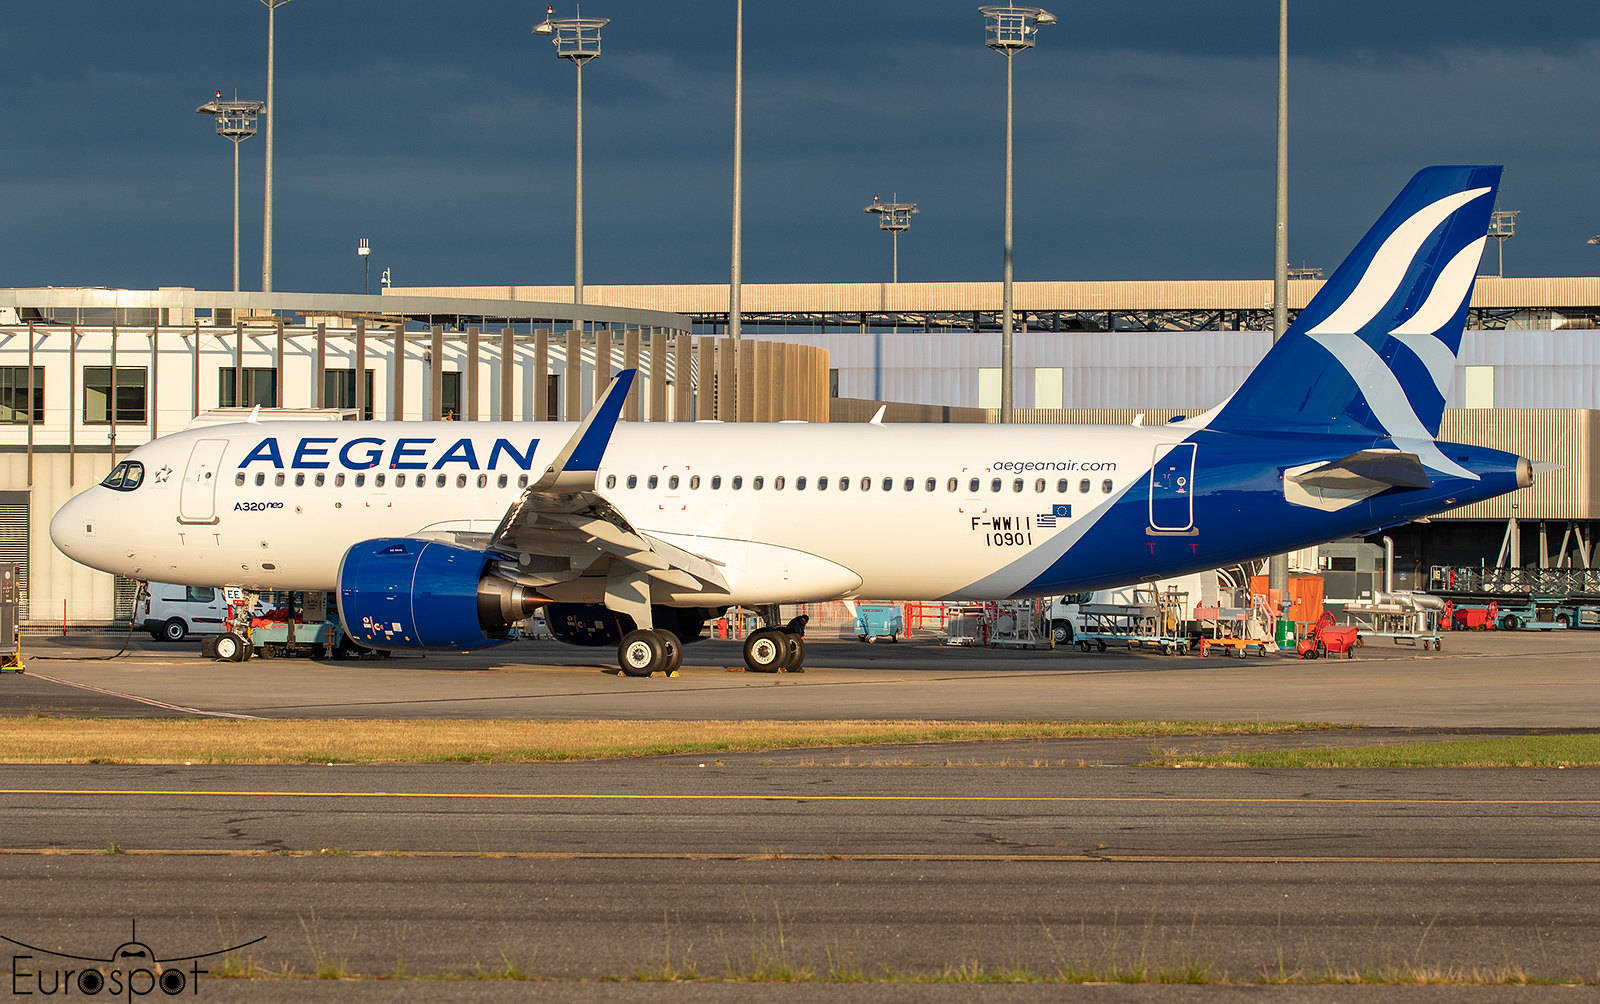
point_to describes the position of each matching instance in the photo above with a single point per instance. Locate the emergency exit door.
(197, 502)
(1172, 490)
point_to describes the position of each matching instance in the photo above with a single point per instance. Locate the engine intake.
(406, 593)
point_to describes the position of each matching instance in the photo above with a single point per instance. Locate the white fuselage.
(929, 510)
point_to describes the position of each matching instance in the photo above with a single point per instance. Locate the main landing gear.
(772, 650)
(644, 652)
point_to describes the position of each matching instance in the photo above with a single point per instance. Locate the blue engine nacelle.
(399, 592)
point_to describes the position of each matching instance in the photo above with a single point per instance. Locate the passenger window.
(261, 479)
(652, 481)
(672, 482)
(1105, 486)
(338, 480)
(756, 482)
(300, 479)
(321, 479)
(716, 482)
(972, 486)
(910, 485)
(399, 480)
(866, 484)
(931, 484)
(361, 479)
(1083, 486)
(522, 481)
(439, 480)
(822, 483)
(950, 485)
(994, 484)
(1061, 485)
(694, 482)
(844, 484)
(461, 481)
(633, 481)
(738, 482)
(277, 480)
(611, 481)
(483, 481)
(800, 483)
(888, 484)
(377, 481)
(1016, 485)
(777, 483)
(1038, 485)
(238, 479)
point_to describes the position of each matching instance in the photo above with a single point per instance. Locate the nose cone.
(75, 529)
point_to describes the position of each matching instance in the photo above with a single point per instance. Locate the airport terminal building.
(87, 374)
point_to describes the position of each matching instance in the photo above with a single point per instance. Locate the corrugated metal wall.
(1189, 371)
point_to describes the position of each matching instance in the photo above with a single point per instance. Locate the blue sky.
(443, 132)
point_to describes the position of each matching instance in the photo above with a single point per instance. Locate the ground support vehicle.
(1021, 624)
(1132, 625)
(1239, 648)
(1584, 616)
(318, 639)
(875, 622)
(1408, 618)
(1469, 616)
(1327, 638)
(1537, 614)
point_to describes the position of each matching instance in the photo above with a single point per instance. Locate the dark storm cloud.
(444, 133)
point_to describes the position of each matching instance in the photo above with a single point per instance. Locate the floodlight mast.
(1009, 30)
(894, 217)
(236, 122)
(1503, 227)
(576, 39)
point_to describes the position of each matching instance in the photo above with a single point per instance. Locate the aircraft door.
(197, 499)
(1172, 490)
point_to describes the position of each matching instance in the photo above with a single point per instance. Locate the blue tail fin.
(1375, 350)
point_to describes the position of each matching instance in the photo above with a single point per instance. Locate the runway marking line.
(660, 797)
(152, 702)
(763, 856)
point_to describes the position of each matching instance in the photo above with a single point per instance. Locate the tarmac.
(890, 864)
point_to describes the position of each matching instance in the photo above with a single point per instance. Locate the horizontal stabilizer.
(1391, 468)
(1338, 484)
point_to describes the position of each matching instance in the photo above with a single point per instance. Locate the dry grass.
(212, 741)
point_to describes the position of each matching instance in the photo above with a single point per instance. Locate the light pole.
(1009, 29)
(577, 39)
(365, 253)
(894, 217)
(266, 204)
(736, 253)
(236, 122)
(1278, 564)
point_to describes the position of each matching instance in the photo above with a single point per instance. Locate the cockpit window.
(125, 477)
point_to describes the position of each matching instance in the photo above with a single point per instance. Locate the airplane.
(447, 535)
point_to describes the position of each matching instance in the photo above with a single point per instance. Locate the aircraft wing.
(562, 528)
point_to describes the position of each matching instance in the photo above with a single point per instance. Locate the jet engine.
(399, 592)
(594, 625)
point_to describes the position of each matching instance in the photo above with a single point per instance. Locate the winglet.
(576, 464)
(877, 419)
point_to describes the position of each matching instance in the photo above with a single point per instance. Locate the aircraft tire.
(797, 653)
(229, 647)
(674, 652)
(641, 653)
(766, 651)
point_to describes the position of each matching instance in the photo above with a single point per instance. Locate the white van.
(171, 613)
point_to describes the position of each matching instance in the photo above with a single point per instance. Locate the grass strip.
(1581, 750)
(41, 739)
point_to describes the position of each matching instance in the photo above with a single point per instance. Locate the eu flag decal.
(1046, 520)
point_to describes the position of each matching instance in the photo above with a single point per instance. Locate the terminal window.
(130, 406)
(260, 385)
(14, 394)
(339, 391)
